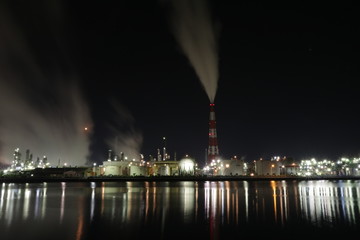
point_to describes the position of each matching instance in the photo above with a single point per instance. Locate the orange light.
(85, 128)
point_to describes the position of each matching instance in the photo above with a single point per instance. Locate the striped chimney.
(213, 150)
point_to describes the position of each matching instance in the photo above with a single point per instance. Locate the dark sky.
(288, 74)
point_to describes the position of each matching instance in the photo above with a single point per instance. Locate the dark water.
(180, 210)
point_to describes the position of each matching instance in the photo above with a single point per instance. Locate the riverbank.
(170, 178)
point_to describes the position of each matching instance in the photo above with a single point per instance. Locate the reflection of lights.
(320, 201)
(79, 230)
(43, 200)
(188, 201)
(246, 188)
(62, 202)
(92, 203)
(273, 186)
(26, 201)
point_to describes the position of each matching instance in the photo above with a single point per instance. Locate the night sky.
(287, 76)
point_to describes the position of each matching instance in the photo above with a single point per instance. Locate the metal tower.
(213, 149)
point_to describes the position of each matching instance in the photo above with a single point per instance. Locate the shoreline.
(170, 179)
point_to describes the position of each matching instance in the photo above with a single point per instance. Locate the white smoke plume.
(125, 138)
(40, 110)
(195, 33)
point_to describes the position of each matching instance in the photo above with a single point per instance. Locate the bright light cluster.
(214, 167)
(342, 167)
(19, 165)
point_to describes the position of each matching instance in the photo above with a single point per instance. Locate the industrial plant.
(19, 164)
(119, 165)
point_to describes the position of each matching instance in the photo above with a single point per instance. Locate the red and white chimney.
(213, 149)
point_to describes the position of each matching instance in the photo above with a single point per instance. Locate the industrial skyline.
(286, 80)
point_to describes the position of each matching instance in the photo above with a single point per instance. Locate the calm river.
(180, 210)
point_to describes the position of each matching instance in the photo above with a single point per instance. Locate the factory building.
(186, 166)
(121, 166)
(18, 164)
(155, 167)
(163, 168)
(268, 167)
(234, 166)
(226, 167)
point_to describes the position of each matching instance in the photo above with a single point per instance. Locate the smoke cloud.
(124, 136)
(195, 33)
(41, 106)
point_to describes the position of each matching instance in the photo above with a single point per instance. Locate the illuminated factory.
(19, 164)
(215, 165)
(160, 166)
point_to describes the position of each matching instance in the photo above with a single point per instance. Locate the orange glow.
(273, 186)
(79, 229)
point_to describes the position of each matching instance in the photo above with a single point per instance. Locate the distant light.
(85, 128)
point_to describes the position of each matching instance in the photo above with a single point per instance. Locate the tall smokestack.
(213, 149)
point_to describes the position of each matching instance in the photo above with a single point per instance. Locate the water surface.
(180, 210)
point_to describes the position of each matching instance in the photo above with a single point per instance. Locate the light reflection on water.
(174, 209)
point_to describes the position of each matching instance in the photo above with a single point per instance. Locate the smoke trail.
(195, 33)
(124, 138)
(40, 109)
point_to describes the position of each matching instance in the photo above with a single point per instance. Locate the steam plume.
(41, 108)
(125, 137)
(195, 34)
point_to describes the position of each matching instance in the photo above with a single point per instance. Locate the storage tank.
(164, 170)
(186, 166)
